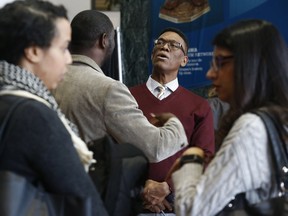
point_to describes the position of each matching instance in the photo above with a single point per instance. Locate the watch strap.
(192, 158)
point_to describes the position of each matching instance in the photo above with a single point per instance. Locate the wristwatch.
(192, 158)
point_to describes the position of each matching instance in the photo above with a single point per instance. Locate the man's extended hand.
(160, 119)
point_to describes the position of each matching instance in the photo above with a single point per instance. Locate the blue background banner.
(200, 29)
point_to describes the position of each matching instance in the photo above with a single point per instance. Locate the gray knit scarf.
(12, 76)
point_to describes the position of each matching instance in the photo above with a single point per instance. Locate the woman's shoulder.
(247, 129)
(249, 120)
(35, 107)
(27, 108)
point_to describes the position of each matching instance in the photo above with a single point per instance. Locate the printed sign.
(200, 20)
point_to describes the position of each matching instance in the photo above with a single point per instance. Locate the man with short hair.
(168, 55)
(100, 105)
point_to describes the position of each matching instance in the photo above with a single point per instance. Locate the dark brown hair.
(260, 71)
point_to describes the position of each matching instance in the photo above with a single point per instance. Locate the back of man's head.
(87, 27)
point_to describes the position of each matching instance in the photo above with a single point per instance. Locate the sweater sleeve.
(127, 124)
(203, 133)
(240, 165)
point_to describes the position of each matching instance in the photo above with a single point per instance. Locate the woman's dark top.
(38, 147)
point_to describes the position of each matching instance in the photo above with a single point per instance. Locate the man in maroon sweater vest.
(168, 55)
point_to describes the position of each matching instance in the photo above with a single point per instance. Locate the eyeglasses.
(173, 45)
(218, 62)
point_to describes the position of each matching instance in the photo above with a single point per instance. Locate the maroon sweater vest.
(194, 113)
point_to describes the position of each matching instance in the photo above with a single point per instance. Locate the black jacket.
(36, 144)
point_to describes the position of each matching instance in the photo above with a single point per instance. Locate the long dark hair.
(260, 70)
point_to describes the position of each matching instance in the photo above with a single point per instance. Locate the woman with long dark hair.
(249, 70)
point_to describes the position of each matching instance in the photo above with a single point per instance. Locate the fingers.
(151, 198)
(158, 207)
(167, 205)
(154, 120)
(155, 208)
(162, 117)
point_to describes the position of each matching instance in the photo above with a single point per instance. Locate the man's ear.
(103, 40)
(33, 54)
(184, 61)
(152, 54)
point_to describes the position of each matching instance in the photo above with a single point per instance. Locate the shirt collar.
(153, 84)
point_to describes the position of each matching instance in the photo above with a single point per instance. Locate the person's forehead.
(218, 50)
(169, 35)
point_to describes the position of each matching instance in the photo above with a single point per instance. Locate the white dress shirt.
(170, 87)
